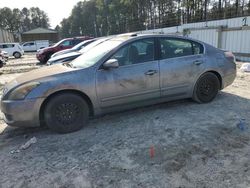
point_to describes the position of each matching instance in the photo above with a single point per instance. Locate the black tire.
(206, 88)
(65, 113)
(17, 55)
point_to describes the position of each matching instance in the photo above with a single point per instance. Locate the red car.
(1, 60)
(44, 54)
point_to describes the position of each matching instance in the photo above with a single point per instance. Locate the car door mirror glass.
(111, 63)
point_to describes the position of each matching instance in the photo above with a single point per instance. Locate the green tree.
(107, 17)
(18, 21)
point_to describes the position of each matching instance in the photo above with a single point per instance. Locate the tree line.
(107, 17)
(19, 21)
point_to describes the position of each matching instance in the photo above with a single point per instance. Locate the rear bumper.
(228, 79)
(23, 113)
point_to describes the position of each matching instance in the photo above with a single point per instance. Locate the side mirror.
(111, 63)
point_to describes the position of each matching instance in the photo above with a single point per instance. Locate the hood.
(38, 74)
(64, 56)
(63, 52)
(42, 74)
(46, 49)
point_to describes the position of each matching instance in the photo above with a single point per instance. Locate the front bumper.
(23, 113)
(40, 57)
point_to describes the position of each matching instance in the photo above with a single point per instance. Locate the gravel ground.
(177, 144)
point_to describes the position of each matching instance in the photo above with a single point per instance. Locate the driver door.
(136, 78)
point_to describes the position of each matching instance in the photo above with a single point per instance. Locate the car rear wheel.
(66, 113)
(206, 88)
(17, 55)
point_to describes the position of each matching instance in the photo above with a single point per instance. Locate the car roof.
(82, 37)
(9, 43)
(131, 36)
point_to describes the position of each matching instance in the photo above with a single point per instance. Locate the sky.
(56, 9)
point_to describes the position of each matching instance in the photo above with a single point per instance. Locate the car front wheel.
(65, 113)
(206, 88)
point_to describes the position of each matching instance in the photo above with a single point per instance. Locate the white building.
(229, 34)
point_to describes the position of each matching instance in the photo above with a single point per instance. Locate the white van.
(35, 45)
(13, 49)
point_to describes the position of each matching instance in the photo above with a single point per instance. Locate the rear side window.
(172, 48)
(8, 45)
(198, 48)
(76, 41)
(29, 44)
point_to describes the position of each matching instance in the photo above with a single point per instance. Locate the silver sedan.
(125, 72)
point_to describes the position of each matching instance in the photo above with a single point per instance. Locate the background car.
(76, 48)
(65, 58)
(44, 54)
(1, 60)
(13, 49)
(33, 46)
(5, 55)
(122, 73)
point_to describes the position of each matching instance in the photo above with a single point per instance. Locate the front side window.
(66, 43)
(137, 52)
(76, 41)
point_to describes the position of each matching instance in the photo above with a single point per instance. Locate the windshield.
(95, 54)
(56, 44)
(91, 45)
(84, 43)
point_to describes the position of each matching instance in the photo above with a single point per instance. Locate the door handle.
(151, 72)
(198, 62)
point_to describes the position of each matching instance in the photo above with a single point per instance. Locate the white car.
(13, 49)
(35, 45)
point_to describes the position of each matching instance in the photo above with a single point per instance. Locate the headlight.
(21, 92)
(40, 51)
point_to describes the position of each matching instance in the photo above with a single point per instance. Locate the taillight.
(230, 56)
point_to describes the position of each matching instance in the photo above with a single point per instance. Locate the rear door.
(136, 78)
(181, 62)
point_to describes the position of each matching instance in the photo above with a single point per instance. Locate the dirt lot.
(193, 145)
